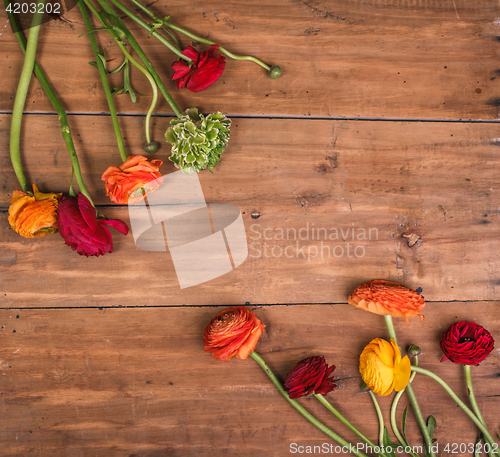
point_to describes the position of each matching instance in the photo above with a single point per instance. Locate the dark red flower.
(82, 231)
(204, 71)
(310, 375)
(466, 343)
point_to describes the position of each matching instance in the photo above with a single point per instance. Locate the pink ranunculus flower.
(82, 230)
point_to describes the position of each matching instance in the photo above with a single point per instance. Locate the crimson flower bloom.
(204, 71)
(82, 231)
(466, 343)
(310, 375)
(233, 332)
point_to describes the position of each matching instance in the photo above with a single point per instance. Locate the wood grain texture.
(404, 59)
(335, 198)
(137, 382)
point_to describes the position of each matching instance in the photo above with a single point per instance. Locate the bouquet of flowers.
(382, 366)
(197, 140)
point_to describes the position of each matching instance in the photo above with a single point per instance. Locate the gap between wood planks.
(278, 116)
(248, 305)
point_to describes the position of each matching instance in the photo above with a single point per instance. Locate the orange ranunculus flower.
(133, 179)
(36, 215)
(382, 368)
(388, 299)
(233, 332)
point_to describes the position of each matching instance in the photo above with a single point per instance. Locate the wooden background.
(385, 118)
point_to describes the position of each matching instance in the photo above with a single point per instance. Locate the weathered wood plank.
(319, 183)
(425, 59)
(137, 382)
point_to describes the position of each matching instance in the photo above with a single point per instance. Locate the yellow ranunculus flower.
(382, 368)
(36, 215)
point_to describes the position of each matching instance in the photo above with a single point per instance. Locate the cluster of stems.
(474, 415)
(111, 21)
(383, 449)
(30, 66)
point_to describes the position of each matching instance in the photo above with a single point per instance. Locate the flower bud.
(275, 72)
(414, 351)
(152, 147)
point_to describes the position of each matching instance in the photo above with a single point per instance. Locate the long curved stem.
(21, 93)
(150, 29)
(302, 410)
(138, 50)
(104, 80)
(394, 407)
(472, 397)
(411, 395)
(339, 416)
(460, 403)
(194, 37)
(63, 118)
(151, 81)
(380, 419)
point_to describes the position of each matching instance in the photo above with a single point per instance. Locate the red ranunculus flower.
(310, 375)
(232, 332)
(205, 70)
(466, 343)
(82, 231)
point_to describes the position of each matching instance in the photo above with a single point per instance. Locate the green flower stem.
(63, 118)
(339, 416)
(194, 37)
(394, 406)
(411, 395)
(460, 403)
(302, 410)
(22, 92)
(470, 390)
(151, 81)
(143, 24)
(141, 54)
(380, 419)
(104, 80)
(390, 328)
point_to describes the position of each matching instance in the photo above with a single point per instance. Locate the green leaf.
(405, 414)
(126, 83)
(118, 69)
(115, 91)
(388, 446)
(431, 423)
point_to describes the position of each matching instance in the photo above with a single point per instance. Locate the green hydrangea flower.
(198, 141)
